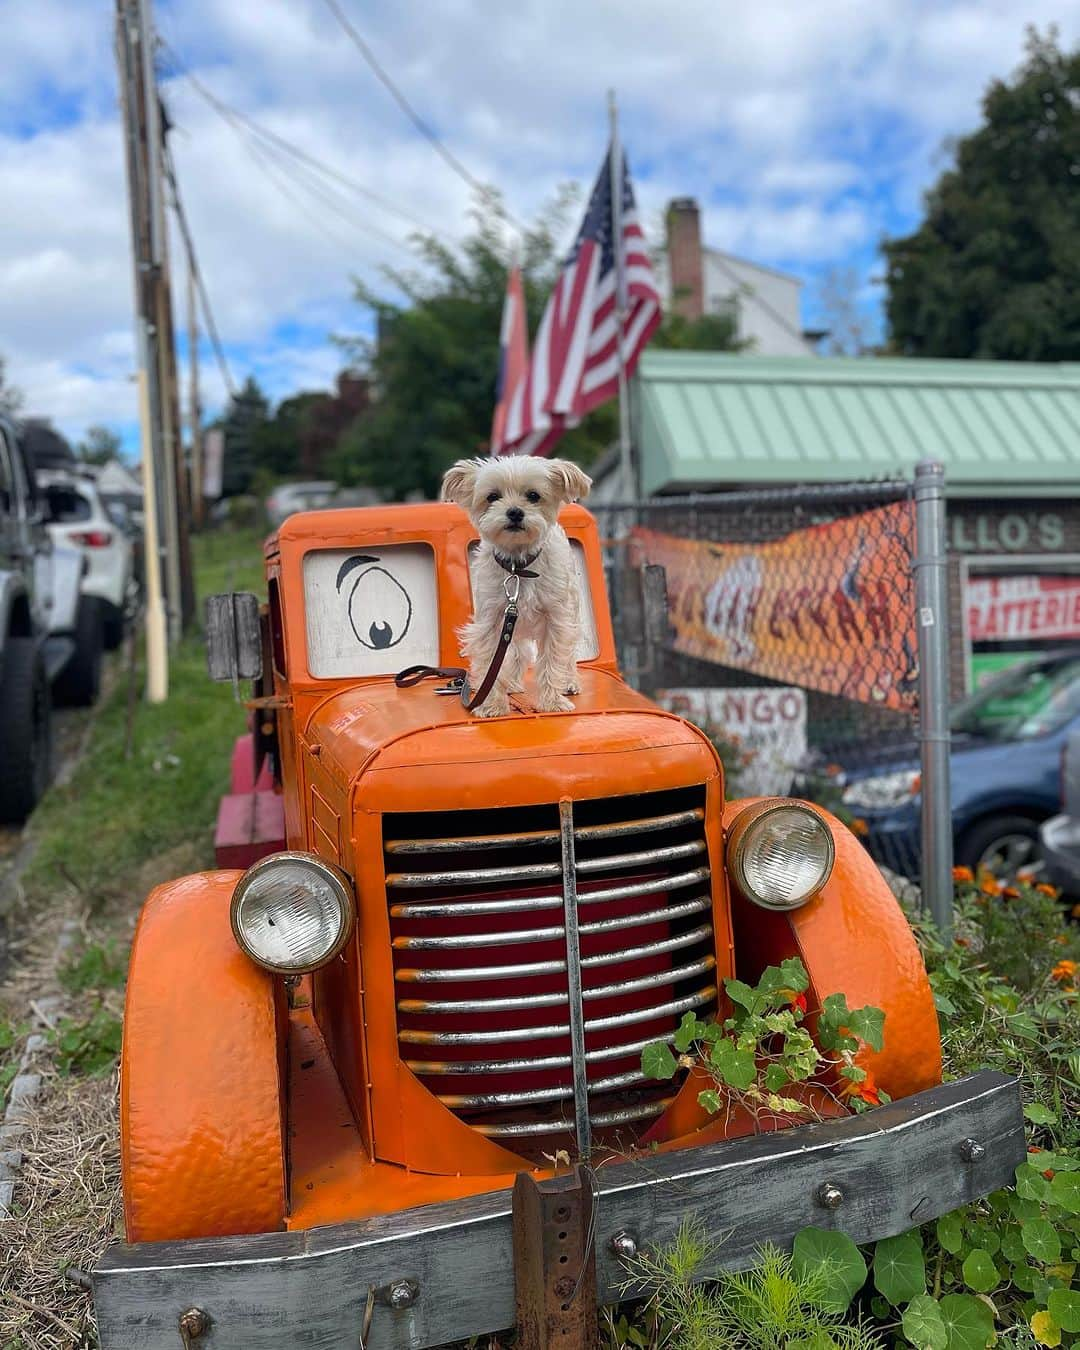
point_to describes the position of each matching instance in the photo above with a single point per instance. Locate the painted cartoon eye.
(532, 496)
(379, 606)
(494, 496)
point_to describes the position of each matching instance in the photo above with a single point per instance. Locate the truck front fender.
(853, 939)
(201, 1076)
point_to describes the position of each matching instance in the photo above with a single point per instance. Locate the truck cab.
(439, 978)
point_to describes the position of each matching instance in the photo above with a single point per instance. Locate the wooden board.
(897, 1166)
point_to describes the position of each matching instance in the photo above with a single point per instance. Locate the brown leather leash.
(458, 676)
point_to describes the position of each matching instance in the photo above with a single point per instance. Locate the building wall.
(766, 303)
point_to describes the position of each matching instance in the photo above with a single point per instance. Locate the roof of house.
(706, 420)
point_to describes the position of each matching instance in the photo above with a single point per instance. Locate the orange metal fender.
(853, 939)
(201, 1073)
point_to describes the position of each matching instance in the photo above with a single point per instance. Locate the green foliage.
(899, 1268)
(709, 333)
(835, 1260)
(781, 1303)
(99, 446)
(88, 1045)
(10, 1036)
(757, 1054)
(98, 966)
(245, 418)
(991, 271)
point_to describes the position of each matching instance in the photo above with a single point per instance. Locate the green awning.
(706, 421)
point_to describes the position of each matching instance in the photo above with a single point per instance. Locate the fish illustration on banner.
(831, 607)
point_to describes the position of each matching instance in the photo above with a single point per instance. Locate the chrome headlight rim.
(737, 838)
(340, 884)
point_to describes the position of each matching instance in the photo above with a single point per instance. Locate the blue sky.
(807, 132)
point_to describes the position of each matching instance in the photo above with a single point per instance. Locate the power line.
(193, 263)
(400, 99)
(235, 116)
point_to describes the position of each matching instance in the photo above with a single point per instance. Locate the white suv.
(76, 517)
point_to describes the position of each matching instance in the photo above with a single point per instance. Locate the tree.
(100, 445)
(244, 419)
(708, 333)
(10, 397)
(847, 327)
(994, 269)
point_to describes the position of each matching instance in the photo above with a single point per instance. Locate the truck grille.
(480, 956)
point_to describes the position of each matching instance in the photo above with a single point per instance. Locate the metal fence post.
(932, 626)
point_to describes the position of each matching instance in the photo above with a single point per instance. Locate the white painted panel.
(371, 611)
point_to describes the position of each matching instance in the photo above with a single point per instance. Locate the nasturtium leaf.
(1045, 1330)
(793, 975)
(736, 1067)
(710, 1100)
(1039, 1114)
(869, 1025)
(1012, 1248)
(1064, 1305)
(1030, 1184)
(950, 1232)
(1064, 1190)
(1023, 1276)
(1041, 1241)
(657, 1061)
(687, 1032)
(923, 1325)
(968, 1321)
(1040, 1286)
(980, 1273)
(740, 993)
(775, 1077)
(899, 1268)
(837, 1259)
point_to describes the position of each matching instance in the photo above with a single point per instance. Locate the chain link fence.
(790, 637)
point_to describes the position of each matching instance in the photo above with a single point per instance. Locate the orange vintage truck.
(350, 1070)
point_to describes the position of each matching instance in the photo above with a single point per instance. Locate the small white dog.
(514, 503)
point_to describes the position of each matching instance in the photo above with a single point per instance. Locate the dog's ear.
(570, 482)
(458, 481)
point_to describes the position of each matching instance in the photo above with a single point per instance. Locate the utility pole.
(131, 66)
(194, 407)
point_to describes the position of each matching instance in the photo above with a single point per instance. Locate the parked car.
(1059, 837)
(355, 1055)
(39, 610)
(76, 516)
(290, 497)
(1007, 741)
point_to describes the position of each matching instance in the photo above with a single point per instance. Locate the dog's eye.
(532, 496)
(494, 496)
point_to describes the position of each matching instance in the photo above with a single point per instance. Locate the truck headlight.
(883, 790)
(292, 912)
(780, 853)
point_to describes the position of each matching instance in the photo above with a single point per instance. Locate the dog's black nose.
(515, 515)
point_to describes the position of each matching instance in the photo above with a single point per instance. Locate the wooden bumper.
(445, 1272)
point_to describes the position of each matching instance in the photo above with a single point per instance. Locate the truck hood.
(379, 740)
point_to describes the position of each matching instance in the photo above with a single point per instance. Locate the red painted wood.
(243, 768)
(249, 826)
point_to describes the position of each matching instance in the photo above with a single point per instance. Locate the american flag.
(574, 364)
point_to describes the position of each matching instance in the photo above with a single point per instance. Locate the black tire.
(114, 627)
(1013, 839)
(79, 683)
(25, 729)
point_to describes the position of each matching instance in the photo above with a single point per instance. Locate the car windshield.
(1028, 701)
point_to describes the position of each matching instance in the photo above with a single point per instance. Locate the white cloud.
(806, 130)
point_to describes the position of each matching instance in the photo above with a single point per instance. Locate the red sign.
(1023, 607)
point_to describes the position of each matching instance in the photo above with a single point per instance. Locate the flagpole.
(626, 465)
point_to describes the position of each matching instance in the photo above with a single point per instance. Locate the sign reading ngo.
(766, 728)
(829, 608)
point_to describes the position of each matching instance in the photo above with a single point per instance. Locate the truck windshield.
(1019, 704)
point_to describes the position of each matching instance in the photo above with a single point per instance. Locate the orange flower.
(799, 1001)
(1076, 911)
(1034, 1148)
(989, 884)
(1049, 1174)
(866, 1091)
(834, 770)
(961, 874)
(1025, 877)
(962, 942)
(1044, 888)
(1011, 893)
(860, 827)
(1064, 970)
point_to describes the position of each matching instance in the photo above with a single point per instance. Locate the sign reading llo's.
(1009, 532)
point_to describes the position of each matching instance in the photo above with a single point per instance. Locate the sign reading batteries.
(1012, 608)
(761, 733)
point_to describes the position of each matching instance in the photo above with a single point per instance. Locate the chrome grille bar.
(510, 1004)
(444, 1067)
(421, 1036)
(527, 838)
(622, 1117)
(466, 941)
(423, 909)
(582, 1126)
(492, 876)
(551, 1094)
(523, 969)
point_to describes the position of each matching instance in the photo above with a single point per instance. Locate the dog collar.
(516, 566)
